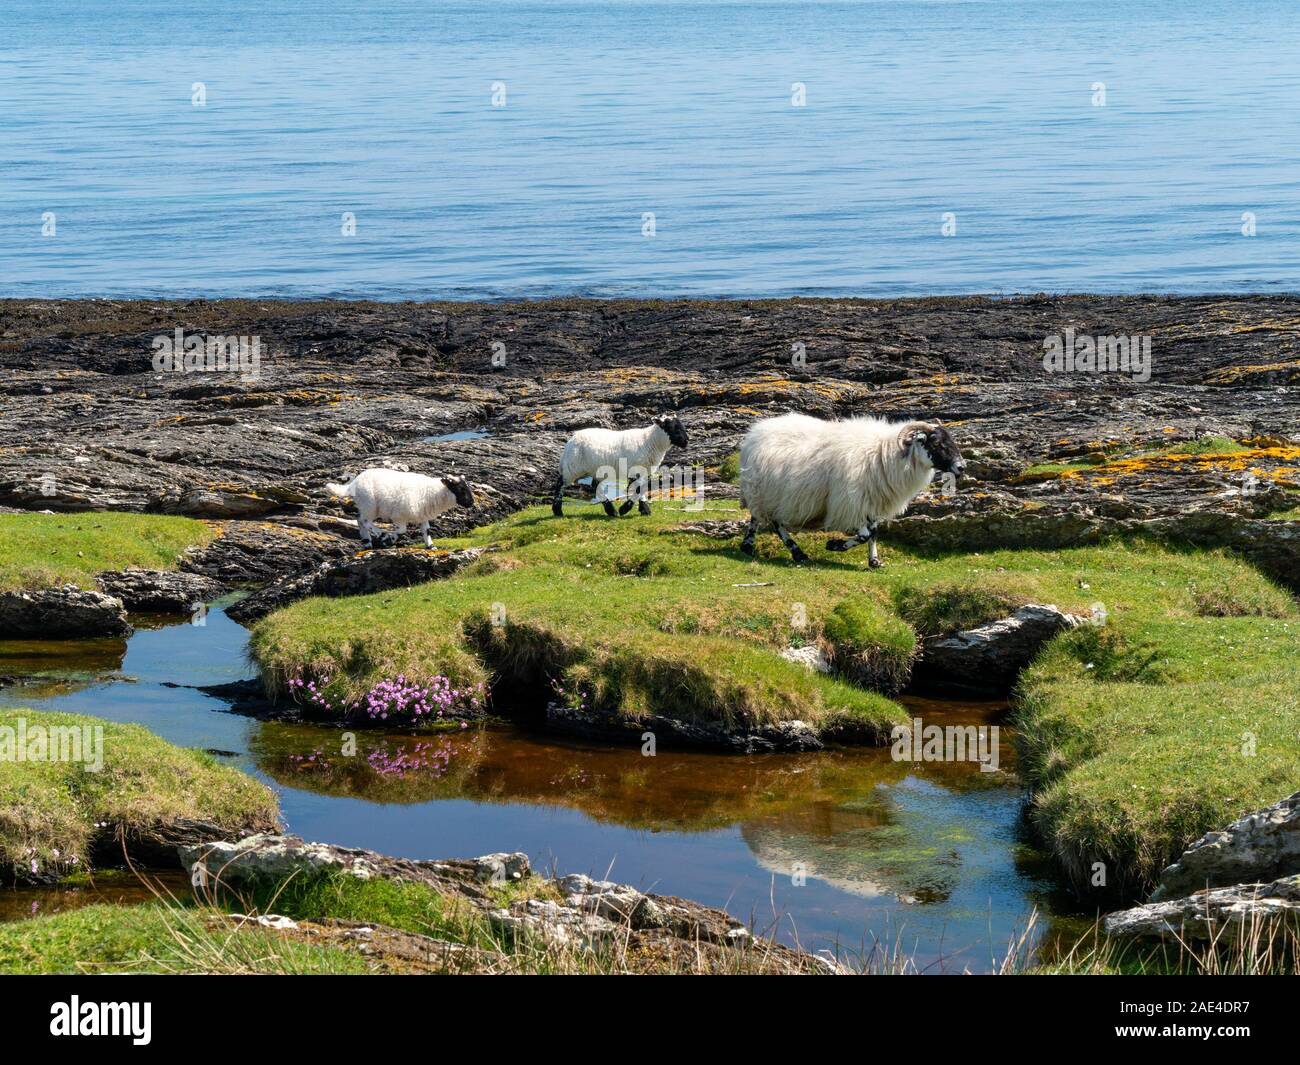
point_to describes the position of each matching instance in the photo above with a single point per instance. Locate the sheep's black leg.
(610, 509)
(634, 496)
(557, 504)
(751, 531)
(796, 552)
(865, 535)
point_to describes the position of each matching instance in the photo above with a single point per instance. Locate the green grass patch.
(1140, 737)
(870, 646)
(158, 938)
(49, 808)
(47, 550)
(943, 608)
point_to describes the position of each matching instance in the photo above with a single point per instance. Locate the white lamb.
(798, 472)
(607, 454)
(401, 498)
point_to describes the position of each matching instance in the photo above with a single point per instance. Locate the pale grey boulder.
(988, 659)
(1250, 912)
(1257, 848)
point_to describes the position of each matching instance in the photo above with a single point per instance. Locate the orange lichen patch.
(1271, 463)
(1276, 373)
(773, 385)
(537, 415)
(638, 374)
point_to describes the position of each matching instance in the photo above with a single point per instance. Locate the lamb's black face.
(460, 489)
(943, 451)
(674, 428)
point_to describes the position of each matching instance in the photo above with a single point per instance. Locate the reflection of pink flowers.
(399, 698)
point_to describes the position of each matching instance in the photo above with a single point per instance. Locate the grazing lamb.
(401, 498)
(603, 454)
(798, 472)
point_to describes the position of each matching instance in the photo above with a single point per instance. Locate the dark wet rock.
(160, 591)
(593, 724)
(369, 571)
(252, 553)
(987, 660)
(1260, 847)
(571, 912)
(1255, 913)
(61, 613)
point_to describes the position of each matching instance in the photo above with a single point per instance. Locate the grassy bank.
(1175, 717)
(413, 929)
(53, 809)
(46, 550)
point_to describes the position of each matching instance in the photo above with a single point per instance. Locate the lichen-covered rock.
(989, 658)
(271, 859)
(1254, 912)
(1257, 848)
(61, 613)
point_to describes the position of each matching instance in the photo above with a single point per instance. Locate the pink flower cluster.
(577, 699)
(400, 699)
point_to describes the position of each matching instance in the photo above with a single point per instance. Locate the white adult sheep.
(401, 498)
(798, 472)
(604, 454)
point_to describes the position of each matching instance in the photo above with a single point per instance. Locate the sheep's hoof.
(609, 509)
(643, 507)
(837, 545)
(875, 563)
(557, 510)
(625, 508)
(798, 557)
(747, 547)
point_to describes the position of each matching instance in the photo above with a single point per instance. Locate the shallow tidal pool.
(846, 850)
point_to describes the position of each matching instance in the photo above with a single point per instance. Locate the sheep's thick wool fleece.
(801, 472)
(396, 496)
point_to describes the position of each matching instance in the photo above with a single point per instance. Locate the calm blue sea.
(620, 108)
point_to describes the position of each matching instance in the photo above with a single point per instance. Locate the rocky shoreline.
(89, 424)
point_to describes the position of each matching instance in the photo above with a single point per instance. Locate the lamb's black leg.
(796, 552)
(557, 504)
(751, 531)
(610, 509)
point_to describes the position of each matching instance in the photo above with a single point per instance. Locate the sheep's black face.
(943, 451)
(460, 489)
(674, 428)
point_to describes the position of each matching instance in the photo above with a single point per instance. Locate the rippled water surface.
(842, 847)
(616, 109)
